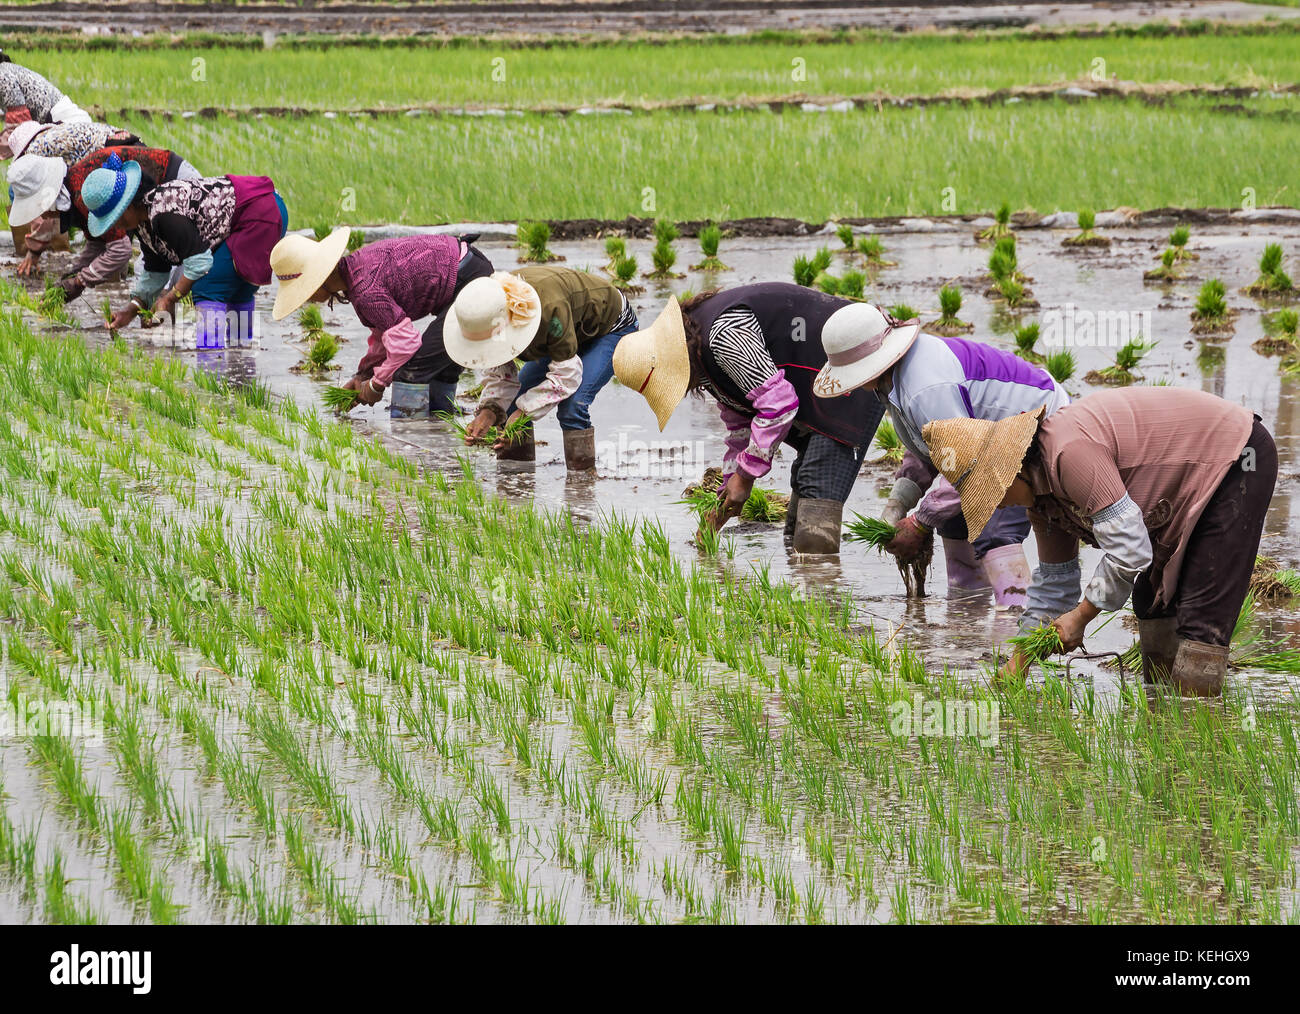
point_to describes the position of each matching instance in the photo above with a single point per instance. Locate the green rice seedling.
(106, 311)
(765, 505)
(310, 319)
(1001, 225)
(871, 531)
(1026, 337)
(322, 351)
(888, 441)
(828, 283)
(322, 229)
(853, 285)
(615, 248)
(356, 239)
(1272, 280)
(533, 238)
(710, 237)
(805, 273)
(1060, 365)
(1085, 236)
(1284, 323)
(664, 254)
(902, 312)
(340, 399)
(1126, 362)
(1211, 313)
(872, 247)
(1038, 643)
(1013, 293)
(949, 306)
(1168, 269)
(845, 233)
(1178, 241)
(822, 259)
(624, 271)
(1001, 265)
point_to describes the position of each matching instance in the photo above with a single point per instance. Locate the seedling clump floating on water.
(1085, 236)
(615, 250)
(1060, 365)
(902, 312)
(1168, 269)
(664, 254)
(710, 237)
(1211, 313)
(1126, 362)
(949, 306)
(624, 272)
(1279, 335)
(1178, 240)
(888, 441)
(1000, 227)
(1272, 280)
(873, 249)
(1026, 337)
(533, 238)
(845, 233)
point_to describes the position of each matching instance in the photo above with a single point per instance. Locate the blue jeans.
(597, 356)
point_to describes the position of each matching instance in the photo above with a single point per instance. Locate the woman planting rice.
(219, 230)
(27, 95)
(1171, 484)
(390, 284)
(565, 325)
(921, 378)
(44, 187)
(756, 349)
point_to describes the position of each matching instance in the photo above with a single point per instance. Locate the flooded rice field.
(342, 680)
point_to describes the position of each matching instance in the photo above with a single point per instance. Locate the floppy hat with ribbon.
(492, 321)
(861, 342)
(36, 182)
(302, 264)
(108, 191)
(20, 138)
(655, 362)
(981, 458)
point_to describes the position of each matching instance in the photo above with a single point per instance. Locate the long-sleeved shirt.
(74, 141)
(956, 378)
(393, 283)
(736, 340)
(25, 93)
(1129, 471)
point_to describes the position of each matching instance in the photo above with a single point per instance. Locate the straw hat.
(108, 191)
(655, 363)
(21, 136)
(860, 343)
(36, 182)
(302, 264)
(492, 321)
(981, 458)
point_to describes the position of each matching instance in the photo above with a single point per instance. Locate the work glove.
(368, 393)
(910, 541)
(905, 495)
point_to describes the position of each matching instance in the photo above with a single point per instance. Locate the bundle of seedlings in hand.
(1272, 280)
(106, 311)
(340, 399)
(1126, 361)
(615, 250)
(871, 531)
(877, 534)
(1211, 313)
(873, 249)
(1038, 643)
(1026, 337)
(1279, 334)
(1178, 240)
(763, 505)
(888, 441)
(664, 253)
(454, 421)
(533, 237)
(1167, 271)
(1086, 237)
(1060, 365)
(624, 272)
(710, 237)
(1000, 227)
(949, 305)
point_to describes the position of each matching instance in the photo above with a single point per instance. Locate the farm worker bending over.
(45, 187)
(26, 95)
(921, 377)
(390, 284)
(565, 325)
(756, 349)
(1171, 484)
(218, 229)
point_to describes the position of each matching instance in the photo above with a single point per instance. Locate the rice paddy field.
(265, 663)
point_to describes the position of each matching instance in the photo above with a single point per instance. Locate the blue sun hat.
(108, 191)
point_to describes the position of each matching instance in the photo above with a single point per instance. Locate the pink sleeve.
(400, 342)
(737, 440)
(375, 354)
(775, 404)
(941, 503)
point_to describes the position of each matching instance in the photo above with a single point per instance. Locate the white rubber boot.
(1008, 572)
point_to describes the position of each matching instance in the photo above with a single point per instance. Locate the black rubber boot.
(1158, 640)
(580, 449)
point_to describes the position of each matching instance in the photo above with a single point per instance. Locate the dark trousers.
(1220, 557)
(824, 469)
(431, 363)
(1008, 526)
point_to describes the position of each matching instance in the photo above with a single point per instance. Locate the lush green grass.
(343, 77)
(1046, 155)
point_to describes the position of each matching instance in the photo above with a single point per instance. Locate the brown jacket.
(1167, 447)
(577, 307)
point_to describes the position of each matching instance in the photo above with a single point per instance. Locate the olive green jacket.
(577, 307)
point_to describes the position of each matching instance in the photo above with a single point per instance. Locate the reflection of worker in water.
(921, 378)
(1171, 484)
(390, 283)
(757, 349)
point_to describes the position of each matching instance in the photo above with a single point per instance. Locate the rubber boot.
(442, 396)
(522, 448)
(408, 401)
(1008, 573)
(965, 574)
(817, 529)
(1199, 668)
(19, 234)
(1158, 640)
(580, 449)
(791, 514)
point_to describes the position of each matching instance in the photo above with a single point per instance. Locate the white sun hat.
(36, 182)
(861, 342)
(492, 321)
(302, 264)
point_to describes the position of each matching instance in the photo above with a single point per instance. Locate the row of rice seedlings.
(49, 304)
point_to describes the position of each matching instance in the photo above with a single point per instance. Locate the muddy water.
(642, 472)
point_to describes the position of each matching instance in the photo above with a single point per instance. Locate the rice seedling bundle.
(902, 312)
(1286, 321)
(1038, 643)
(1026, 337)
(805, 273)
(1085, 236)
(533, 238)
(710, 237)
(1001, 225)
(822, 259)
(871, 531)
(1060, 365)
(949, 305)
(1211, 313)
(624, 271)
(311, 319)
(615, 249)
(872, 247)
(1126, 362)
(828, 284)
(322, 351)
(1272, 279)
(888, 441)
(664, 254)
(763, 505)
(853, 285)
(1167, 271)
(340, 399)
(356, 240)
(845, 234)
(1012, 292)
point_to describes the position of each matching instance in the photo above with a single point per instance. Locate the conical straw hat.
(655, 363)
(981, 458)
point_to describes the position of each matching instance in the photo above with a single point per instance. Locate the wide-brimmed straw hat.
(21, 136)
(981, 458)
(36, 182)
(655, 363)
(492, 321)
(861, 342)
(302, 264)
(108, 191)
